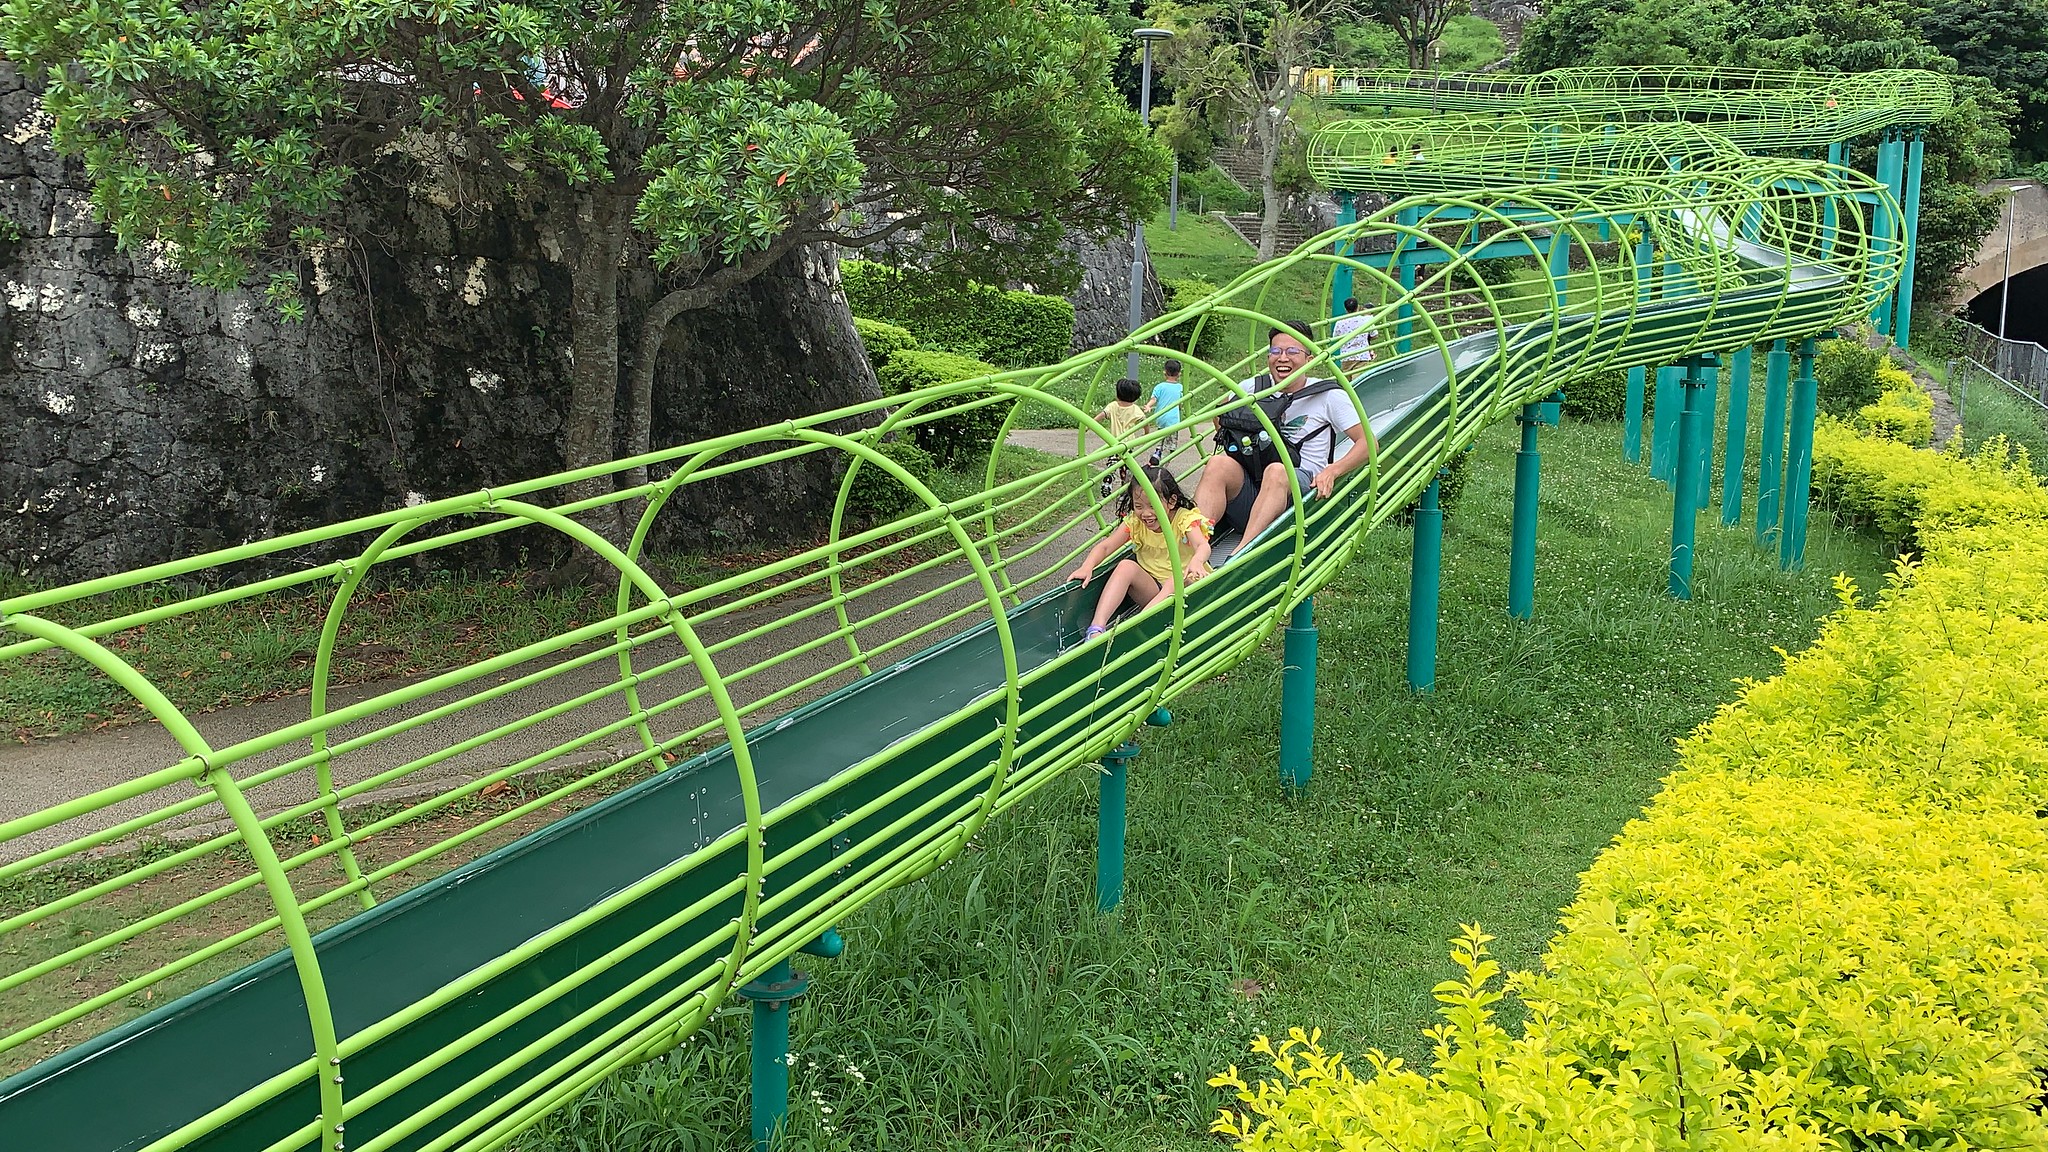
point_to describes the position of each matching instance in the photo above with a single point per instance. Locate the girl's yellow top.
(1150, 546)
(1123, 419)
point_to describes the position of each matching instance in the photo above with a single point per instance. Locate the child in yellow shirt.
(1147, 577)
(1124, 415)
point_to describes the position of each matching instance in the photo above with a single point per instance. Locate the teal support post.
(1902, 322)
(1340, 277)
(771, 996)
(1830, 220)
(1771, 457)
(1686, 494)
(1522, 534)
(1703, 446)
(1425, 586)
(1404, 314)
(1799, 462)
(1664, 412)
(1110, 823)
(1632, 417)
(1298, 698)
(1735, 457)
(1560, 263)
(1890, 163)
(1632, 413)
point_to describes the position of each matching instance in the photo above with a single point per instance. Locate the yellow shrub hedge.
(1903, 411)
(1904, 491)
(1831, 928)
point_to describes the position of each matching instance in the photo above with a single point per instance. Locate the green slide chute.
(812, 732)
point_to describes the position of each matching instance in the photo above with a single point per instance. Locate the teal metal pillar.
(1771, 459)
(1829, 219)
(1686, 495)
(1902, 323)
(1632, 417)
(1404, 314)
(1340, 277)
(1632, 411)
(1110, 825)
(771, 995)
(1799, 462)
(1522, 535)
(1298, 698)
(1890, 165)
(1425, 586)
(1664, 412)
(1735, 457)
(1703, 446)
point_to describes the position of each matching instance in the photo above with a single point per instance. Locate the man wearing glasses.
(1245, 485)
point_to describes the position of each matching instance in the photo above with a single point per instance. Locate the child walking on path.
(1147, 577)
(1123, 416)
(1165, 408)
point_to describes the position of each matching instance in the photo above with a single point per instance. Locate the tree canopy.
(707, 136)
(1971, 145)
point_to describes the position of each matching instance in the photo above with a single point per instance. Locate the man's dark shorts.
(1238, 512)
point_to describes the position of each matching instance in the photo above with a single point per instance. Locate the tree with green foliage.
(1248, 57)
(1970, 145)
(2006, 43)
(1418, 23)
(707, 138)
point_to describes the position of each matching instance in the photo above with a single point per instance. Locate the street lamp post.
(2005, 276)
(1145, 38)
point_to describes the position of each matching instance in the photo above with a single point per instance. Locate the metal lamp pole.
(2005, 276)
(1145, 38)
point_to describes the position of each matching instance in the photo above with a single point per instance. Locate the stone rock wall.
(1102, 302)
(144, 418)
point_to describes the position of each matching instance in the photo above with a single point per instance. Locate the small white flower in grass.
(854, 1071)
(790, 1059)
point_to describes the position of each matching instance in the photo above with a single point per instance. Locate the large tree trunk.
(1268, 129)
(593, 336)
(590, 431)
(654, 328)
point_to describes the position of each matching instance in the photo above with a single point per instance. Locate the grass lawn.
(989, 1007)
(1991, 408)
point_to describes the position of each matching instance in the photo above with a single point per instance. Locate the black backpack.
(1239, 433)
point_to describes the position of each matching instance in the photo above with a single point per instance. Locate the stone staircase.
(1246, 224)
(1242, 166)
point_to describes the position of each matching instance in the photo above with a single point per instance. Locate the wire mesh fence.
(2019, 365)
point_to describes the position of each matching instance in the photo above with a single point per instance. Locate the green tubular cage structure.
(1805, 105)
(802, 736)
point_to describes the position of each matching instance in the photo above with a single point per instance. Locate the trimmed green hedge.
(882, 339)
(1847, 374)
(1597, 395)
(955, 440)
(879, 496)
(1180, 293)
(1010, 328)
(1830, 931)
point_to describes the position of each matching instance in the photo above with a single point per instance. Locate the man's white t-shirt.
(1355, 326)
(1318, 423)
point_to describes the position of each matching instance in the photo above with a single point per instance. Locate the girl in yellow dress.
(1147, 576)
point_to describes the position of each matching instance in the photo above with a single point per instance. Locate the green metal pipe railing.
(1739, 256)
